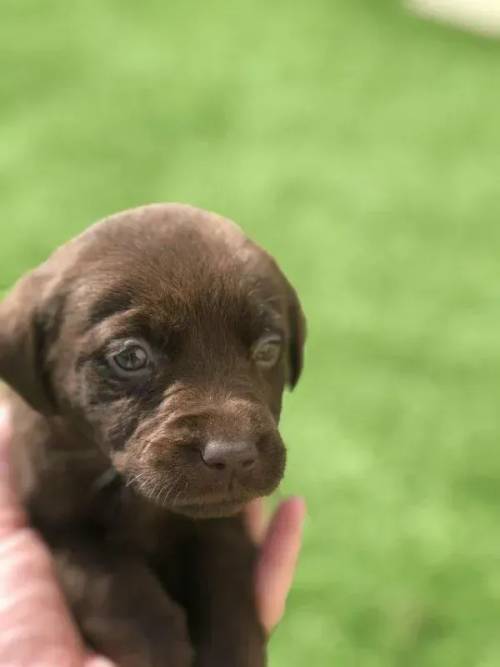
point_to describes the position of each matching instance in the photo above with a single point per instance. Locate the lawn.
(361, 146)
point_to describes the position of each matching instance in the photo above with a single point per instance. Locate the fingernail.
(300, 507)
(300, 500)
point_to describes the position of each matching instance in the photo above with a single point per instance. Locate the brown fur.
(147, 536)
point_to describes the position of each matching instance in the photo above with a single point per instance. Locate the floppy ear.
(27, 319)
(297, 324)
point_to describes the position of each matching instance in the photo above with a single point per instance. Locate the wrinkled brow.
(251, 312)
(110, 303)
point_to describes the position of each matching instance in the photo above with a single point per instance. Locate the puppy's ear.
(297, 337)
(28, 316)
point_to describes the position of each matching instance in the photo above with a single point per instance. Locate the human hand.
(36, 627)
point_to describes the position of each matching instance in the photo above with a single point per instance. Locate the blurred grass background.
(362, 147)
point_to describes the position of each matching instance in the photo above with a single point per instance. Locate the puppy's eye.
(132, 358)
(267, 351)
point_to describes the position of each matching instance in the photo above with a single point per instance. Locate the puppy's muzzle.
(225, 451)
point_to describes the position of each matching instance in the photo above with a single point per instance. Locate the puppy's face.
(164, 337)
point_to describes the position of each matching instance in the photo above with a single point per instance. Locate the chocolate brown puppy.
(146, 361)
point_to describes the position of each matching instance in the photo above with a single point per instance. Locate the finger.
(278, 559)
(11, 513)
(35, 624)
(256, 520)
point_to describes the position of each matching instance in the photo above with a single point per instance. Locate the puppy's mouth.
(203, 505)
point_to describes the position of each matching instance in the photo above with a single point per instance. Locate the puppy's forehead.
(174, 259)
(161, 234)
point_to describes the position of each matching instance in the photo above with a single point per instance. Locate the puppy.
(146, 361)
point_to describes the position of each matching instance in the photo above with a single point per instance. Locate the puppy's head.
(165, 337)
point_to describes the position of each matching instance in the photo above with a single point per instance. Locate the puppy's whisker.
(168, 490)
(180, 492)
(136, 479)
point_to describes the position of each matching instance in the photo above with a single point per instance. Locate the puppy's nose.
(229, 456)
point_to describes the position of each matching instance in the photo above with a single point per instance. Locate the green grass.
(362, 147)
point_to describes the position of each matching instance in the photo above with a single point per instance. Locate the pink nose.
(229, 456)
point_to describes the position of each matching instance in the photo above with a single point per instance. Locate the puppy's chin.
(209, 510)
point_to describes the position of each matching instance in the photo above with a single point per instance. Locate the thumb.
(278, 559)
